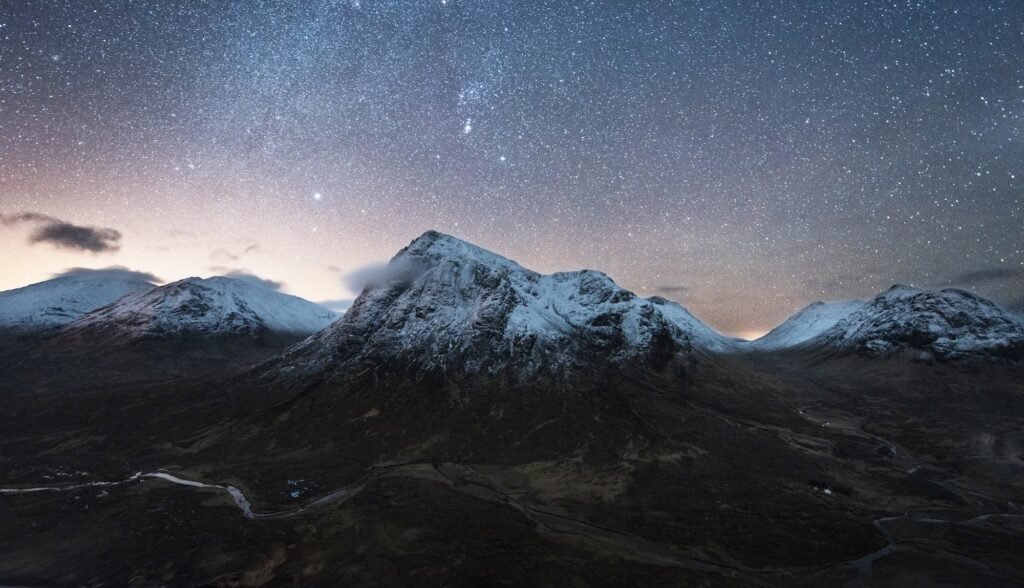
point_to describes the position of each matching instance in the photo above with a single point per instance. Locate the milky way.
(744, 158)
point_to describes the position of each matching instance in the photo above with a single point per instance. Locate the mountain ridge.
(443, 303)
(805, 324)
(52, 303)
(947, 324)
(202, 307)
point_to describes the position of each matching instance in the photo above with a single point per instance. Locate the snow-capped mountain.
(56, 302)
(444, 303)
(806, 324)
(945, 324)
(196, 308)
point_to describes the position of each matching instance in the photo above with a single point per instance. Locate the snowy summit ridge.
(445, 303)
(56, 302)
(946, 324)
(211, 307)
(806, 324)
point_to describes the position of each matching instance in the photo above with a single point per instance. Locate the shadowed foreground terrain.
(758, 469)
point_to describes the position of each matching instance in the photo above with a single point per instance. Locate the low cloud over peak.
(248, 277)
(114, 272)
(65, 235)
(673, 290)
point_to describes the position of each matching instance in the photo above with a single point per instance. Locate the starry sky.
(743, 158)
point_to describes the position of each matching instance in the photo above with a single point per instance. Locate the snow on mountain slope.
(806, 324)
(212, 307)
(707, 337)
(50, 304)
(445, 303)
(947, 324)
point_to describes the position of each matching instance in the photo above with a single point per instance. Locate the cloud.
(357, 279)
(988, 275)
(113, 272)
(339, 306)
(224, 254)
(65, 235)
(402, 269)
(671, 290)
(249, 277)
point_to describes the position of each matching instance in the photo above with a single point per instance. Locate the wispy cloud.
(673, 289)
(247, 276)
(339, 306)
(228, 255)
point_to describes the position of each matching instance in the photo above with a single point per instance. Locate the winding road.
(551, 524)
(236, 495)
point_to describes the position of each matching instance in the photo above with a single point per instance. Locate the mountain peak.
(448, 304)
(902, 289)
(948, 324)
(205, 307)
(437, 241)
(807, 323)
(58, 301)
(434, 246)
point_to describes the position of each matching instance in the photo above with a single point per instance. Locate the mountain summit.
(806, 324)
(945, 324)
(445, 304)
(56, 302)
(215, 307)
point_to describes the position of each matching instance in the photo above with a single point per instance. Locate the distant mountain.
(945, 324)
(445, 304)
(56, 302)
(195, 308)
(806, 324)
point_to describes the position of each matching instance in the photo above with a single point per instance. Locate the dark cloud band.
(65, 235)
(114, 272)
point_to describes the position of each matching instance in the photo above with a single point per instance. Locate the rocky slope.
(444, 304)
(946, 324)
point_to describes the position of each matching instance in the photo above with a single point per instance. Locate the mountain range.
(471, 422)
(443, 301)
(92, 328)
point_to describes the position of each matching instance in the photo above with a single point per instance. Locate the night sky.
(744, 158)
